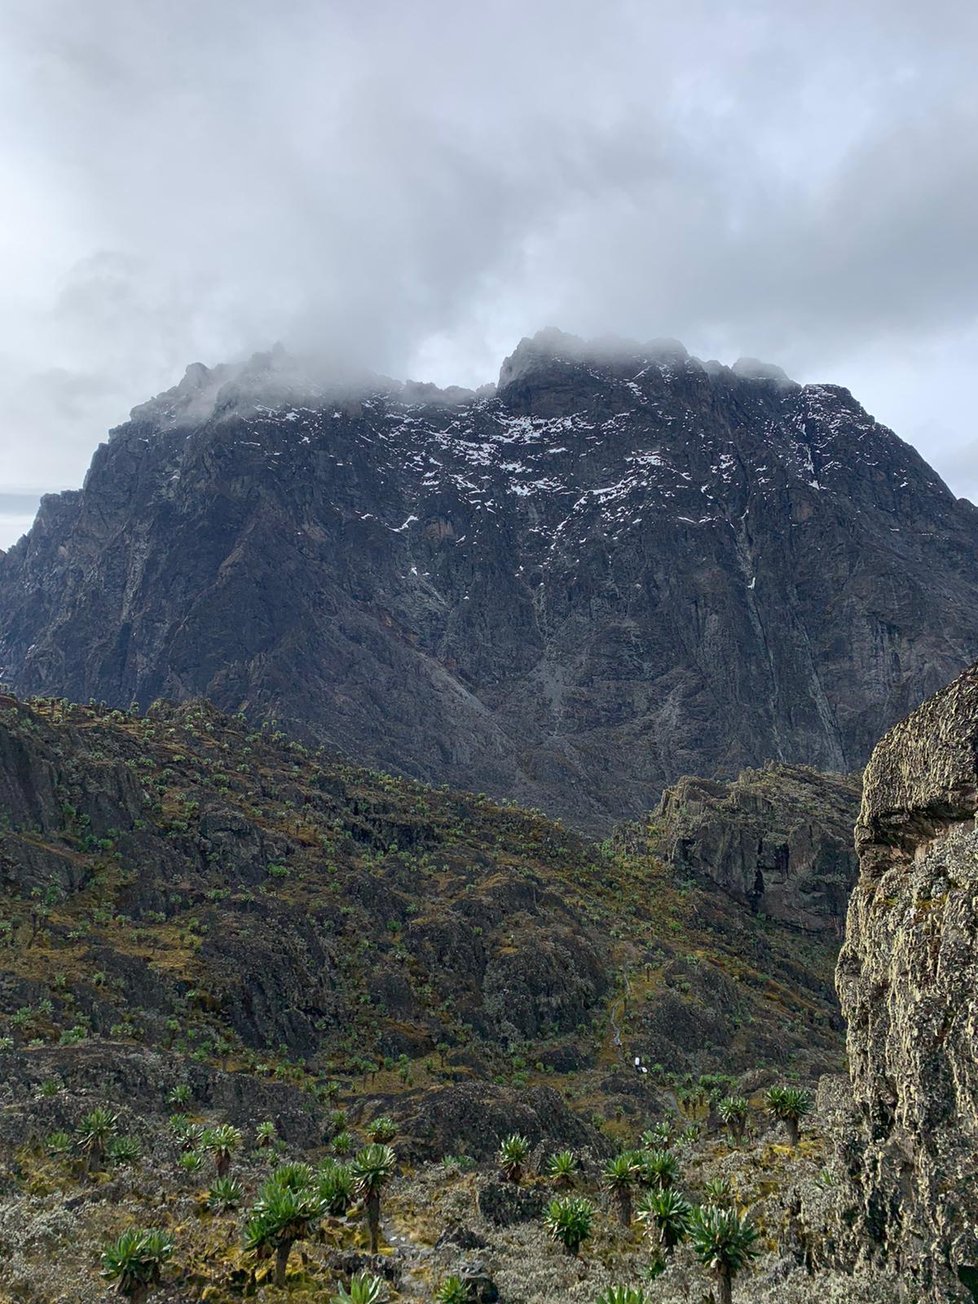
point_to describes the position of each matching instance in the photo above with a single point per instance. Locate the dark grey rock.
(907, 979)
(620, 567)
(505, 1203)
(472, 1118)
(779, 839)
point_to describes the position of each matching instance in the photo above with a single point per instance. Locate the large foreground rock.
(908, 983)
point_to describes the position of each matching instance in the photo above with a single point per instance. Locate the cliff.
(777, 839)
(908, 984)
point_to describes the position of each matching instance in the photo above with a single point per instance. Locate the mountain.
(617, 566)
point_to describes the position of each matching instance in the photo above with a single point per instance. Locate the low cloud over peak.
(409, 189)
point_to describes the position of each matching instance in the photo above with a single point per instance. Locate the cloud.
(413, 187)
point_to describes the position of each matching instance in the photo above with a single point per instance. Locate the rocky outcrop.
(908, 984)
(778, 839)
(621, 566)
(472, 1118)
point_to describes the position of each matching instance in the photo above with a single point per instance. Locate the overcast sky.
(415, 184)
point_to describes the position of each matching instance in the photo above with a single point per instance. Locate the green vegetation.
(281, 1216)
(513, 1151)
(225, 1194)
(221, 1142)
(725, 1241)
(364, 1288)
(667, 1215)
(568, 1219)
(338, 1000)
(336, 1187)
(620, 1177)
(790, 1105)
(452, 1291)
(658, 1168)
(562, 1167)
(381, 1130)
(94, 1133)
(623, 1295)
(265, 1134)
(734, 1111)
(372, 1170)
(135, 1262)
(120, 1150)
(718, 1191)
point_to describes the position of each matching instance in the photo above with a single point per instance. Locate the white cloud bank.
(412, 187)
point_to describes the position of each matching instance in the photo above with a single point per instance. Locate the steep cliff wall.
(908, 984)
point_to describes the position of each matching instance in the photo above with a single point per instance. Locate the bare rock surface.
(908, 984)
(618, 567)
(778, 839)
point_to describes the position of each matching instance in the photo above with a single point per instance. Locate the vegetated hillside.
(180, 867)
(619, 566)
(216, 923)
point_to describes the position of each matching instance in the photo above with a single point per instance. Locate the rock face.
(620, 566)
(778, 839)
(908, 983)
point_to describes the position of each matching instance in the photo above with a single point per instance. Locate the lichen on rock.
(908, 984)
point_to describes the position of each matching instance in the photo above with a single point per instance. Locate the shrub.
(191, 1135)
(343, 1143)
(790, 1105)
(295, 1175)
(623, 1295)
(718, 1191)
(452, 1291)
(335, 1185)
(373, 1168)
(135, 1262)
(568, 1219)
(94, 1132)
(59, 1143)
(658, 1168)
(657, 1137)
(363, 1289)
(513, 1151)
(667, 1215)
(562, 1167)
(734, 1112)
(121, 1150)
(725, 1242)
(620, 1175)
(280, 1217)
(265, 1135)
(382, 1130)
(224, 1194)
(221, 1142)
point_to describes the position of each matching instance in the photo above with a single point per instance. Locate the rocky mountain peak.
(621, 566)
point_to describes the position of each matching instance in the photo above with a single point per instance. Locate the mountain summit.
(619, 565)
